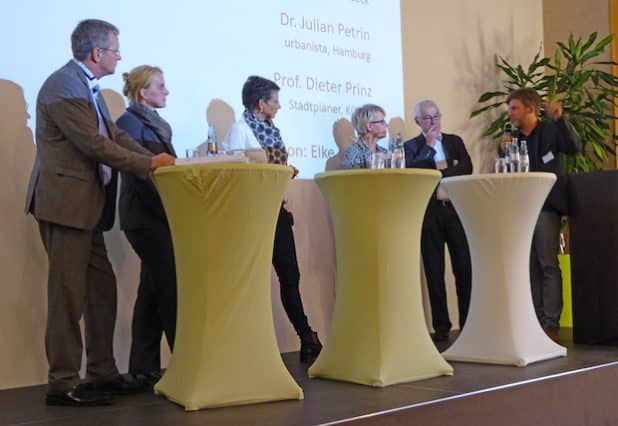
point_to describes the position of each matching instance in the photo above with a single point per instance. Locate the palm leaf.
(589, 42)
(603, 43)
(489, 95)
(485, 108)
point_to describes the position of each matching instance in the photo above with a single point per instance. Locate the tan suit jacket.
(65, 187)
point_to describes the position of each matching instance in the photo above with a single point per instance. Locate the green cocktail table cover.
(222, 218)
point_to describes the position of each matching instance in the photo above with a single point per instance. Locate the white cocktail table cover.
(499, 212)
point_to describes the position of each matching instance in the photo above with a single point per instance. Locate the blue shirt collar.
(93, 82)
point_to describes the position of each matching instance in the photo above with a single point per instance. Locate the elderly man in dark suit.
(546, 140)
(72, 195)
(433, 149)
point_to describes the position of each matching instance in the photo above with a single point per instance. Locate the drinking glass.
(377, 160)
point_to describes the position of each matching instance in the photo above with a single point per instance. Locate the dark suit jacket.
(140, 206)
(65, 187)
(420, 155)
(545, 144)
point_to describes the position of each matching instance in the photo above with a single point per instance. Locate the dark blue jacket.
(139, 205)
(545, 144)
(420, 155)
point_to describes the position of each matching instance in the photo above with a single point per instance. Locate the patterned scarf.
(268, 137)
(153, 120)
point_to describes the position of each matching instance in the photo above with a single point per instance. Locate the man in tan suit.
(72, 195)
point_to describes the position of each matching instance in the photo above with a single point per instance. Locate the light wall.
(449, 49)
(580, 18)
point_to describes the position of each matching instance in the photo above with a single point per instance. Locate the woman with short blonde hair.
(370, 125)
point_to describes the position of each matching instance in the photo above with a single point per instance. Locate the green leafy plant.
(587, 93)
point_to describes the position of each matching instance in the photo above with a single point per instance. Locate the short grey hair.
(88, 34)
(363, 115)
(418, 108)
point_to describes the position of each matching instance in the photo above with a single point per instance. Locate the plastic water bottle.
(212, 140)
(507, 135)
(389, 153)
(398, 156)
(507, 157)
(525, 159)
(515, 157)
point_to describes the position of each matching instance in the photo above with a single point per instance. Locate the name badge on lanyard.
(548, 157)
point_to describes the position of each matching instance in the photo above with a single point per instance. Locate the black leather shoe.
(148, 379)
(79, 396)
(440, 336)
(120, 385)
(310, 346)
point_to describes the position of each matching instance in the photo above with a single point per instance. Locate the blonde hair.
(363, 115)
(137, 79)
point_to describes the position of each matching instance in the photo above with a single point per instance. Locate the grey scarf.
(153, 120)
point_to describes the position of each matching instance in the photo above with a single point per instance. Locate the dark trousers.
(441, 225)
(154, 312)
(286, 266)
(80, 282)
(545, 276)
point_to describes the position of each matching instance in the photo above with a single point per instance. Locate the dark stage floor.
(325, 401)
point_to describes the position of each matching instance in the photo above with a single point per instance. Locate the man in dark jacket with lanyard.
(546, 140)
(433, 149)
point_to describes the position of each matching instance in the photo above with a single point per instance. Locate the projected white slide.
(328, 57)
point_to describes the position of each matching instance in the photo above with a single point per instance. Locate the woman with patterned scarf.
(255, 129)
(143, 221)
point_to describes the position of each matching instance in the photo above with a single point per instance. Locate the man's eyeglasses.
(378, 122)
(434, 117)
(114, 51)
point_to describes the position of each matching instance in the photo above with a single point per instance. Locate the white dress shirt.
(240, 136)
(440, 155)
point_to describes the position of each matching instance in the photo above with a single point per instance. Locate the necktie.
(105, 172)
